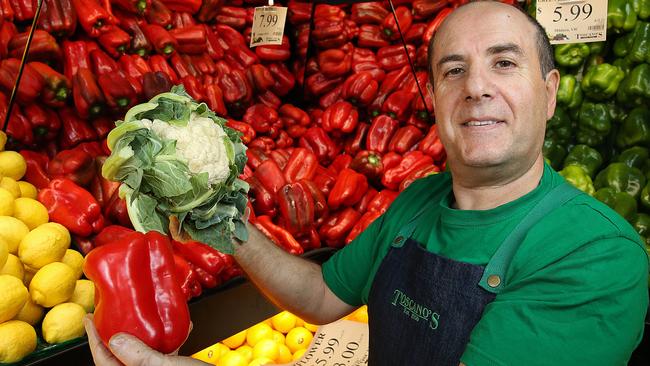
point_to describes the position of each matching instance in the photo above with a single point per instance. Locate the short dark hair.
(544, 48)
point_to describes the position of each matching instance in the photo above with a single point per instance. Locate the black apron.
(422, 307)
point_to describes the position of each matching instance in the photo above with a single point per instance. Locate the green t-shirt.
(575, 292)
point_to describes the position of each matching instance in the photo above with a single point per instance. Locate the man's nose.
(478, 85)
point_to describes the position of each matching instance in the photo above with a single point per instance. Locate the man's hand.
(128, 350)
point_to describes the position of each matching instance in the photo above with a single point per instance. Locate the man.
(499, 262)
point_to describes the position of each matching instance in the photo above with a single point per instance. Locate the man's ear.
(431, 95)
(552, 83)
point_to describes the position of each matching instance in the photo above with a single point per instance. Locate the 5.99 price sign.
(573, 21)
(342, 343)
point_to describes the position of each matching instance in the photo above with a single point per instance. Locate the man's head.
(493, 87)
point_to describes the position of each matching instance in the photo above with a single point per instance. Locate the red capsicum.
(364, 221)
(389, 26)
(302, 164)
(349, 188)
(193, 87)
(380, 133)
(317, 140)
(184, 6)
(19, 130)
(36, 172)
(74, 164)
(270, 175)
(404, 139)
(280, 156)
(74, 129)
(159, 14)
(291, 115)
(434, 24)
(181, 67)
(432, 146)
(382, 201)
(137, 275)
(139, 43)
(340, 117)
(318, 84)
(161, 40)
(355, 143)
(117, 90)
(72, 206)
(186, 278)
(154, 83)
(394, 57)
(415, 33)
(284, 79)
(75, 57)
(370, 36)
(116, 211)
(7, 31)
(236, 89)
(341, 162)
(102, 63)
(296, 208)
(88, 98)
(368, 163)
(398, 104)
(279, 235)
(263, 119)
(362, 205)
(133, 6)
(298, 12)
(31, 83)
(369, 12)
(424, 9)
(134, 66)
(337, 226)
(23, 9)
(43, 47)
(263, 142)
(264, 201)
(335, 62)
(360, 88)
(58, 17)
(94, 19)
(255, 157)
(203, 63)
(412, 161)
(260, 76)
(57, 86)
(246, 130)
(232, 16)
(159, 63)
(273, 53)
(190, 40)
(329, 33)
(205, 279)
(45, 122)
(417, 174)
(115, 41)
(328, 99)
(202, 256)
(213, 46)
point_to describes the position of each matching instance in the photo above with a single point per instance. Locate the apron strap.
(407, 230)
(495, 270)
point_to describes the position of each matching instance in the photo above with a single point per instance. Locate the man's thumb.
(132, 351)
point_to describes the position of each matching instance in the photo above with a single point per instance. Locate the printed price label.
(573, 21)
(342, 343)
(268, 25)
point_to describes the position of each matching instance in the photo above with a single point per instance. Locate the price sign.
(573, 21)
(342, 343)
(268, 25)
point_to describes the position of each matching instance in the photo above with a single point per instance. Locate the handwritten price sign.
(573, 21)
(343, 343)
(268, 25)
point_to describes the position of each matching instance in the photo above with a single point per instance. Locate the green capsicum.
(554, 153)
(601, 81)
(635, 129)
(641, 224)
(569, 93)
(616, 112)
(587, 158)
(621, 178)
(594, 123)
(559, 127)
(635, 88)
(645, 196)
(634, 157)
(620, 202)
(624, 64)
(571, 54)
(642, 8)
(621, 16)
(579, 178)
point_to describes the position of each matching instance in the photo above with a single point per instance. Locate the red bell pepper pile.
(322, 165)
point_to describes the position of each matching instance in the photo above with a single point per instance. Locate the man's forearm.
(292, 283)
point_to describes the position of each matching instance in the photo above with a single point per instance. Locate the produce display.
(281, 339)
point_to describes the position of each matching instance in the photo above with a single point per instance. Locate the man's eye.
(454, 71)
(505, 64)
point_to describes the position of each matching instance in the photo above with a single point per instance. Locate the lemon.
(6, 202)
(14, 295)
(30, 313)
(211, 354)
(28, 274)
(284, 354)
(298, 354)
(4, 253)
(84, 295)
(260, 361)
(13, 267)
(266, 348)
(31, 212)
(12, 165)
(232, 358)
(11, 185)
(278, 337)
(284, 322)
(12, 231)
(236, 340)
(63, 323)
(246, 351)
(258, 332)
(298, 338)
(27, 190)
(310, 327)
(3, 140)
(75, 260)
(40, 247)
(17, 340)
(52, 284)
(63, 236)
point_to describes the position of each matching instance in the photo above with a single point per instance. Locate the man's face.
(491, 102)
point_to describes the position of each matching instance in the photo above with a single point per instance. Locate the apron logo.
(415, 310)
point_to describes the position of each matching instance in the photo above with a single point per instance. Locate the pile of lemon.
(39, 274)
(283, 338)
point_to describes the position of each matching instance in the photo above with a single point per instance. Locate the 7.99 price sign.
(268, 25)
(573, 21)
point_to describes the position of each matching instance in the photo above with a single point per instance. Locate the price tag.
(342, 343)
(573, 21)
(268, 25)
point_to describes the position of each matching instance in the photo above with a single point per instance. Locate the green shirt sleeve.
(586, 309)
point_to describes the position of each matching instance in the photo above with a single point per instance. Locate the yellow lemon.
(30, 313)
(63, 323)
(284, 354)
(298, 354)
(11, 185)
(4, 253)
(360, 315)
(246, 351)
(310, 327)
(6, 202)
(266, 348)
(63, 236)
(12, 231)
(31, 212)
(236, 340)
(27, 190)
(284, 322)
(278, 337)
(17, 340)
(298, 338)
(258, 332)
(3, 141)
(28, 274)
(299, 322)
(75, 260)
(14, 296)
(260, 361)
(84, 295)
(13, 267)
(12, 165)
(232, 358)
(52, 284)
(40, 247)
(211, 354)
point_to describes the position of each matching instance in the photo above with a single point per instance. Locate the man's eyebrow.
(505, 48)
(450, 58)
